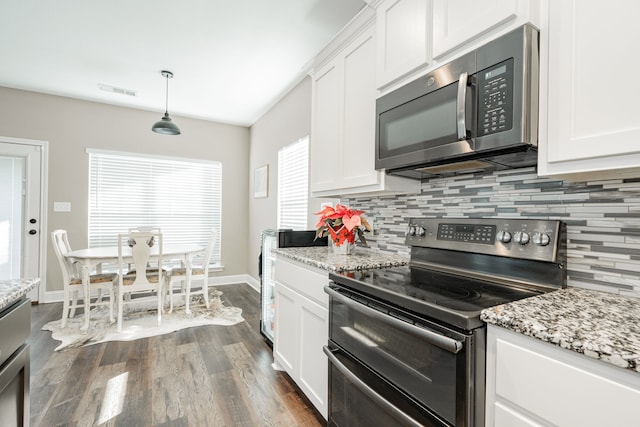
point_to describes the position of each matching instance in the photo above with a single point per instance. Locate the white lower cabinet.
(302, 328)
(534, 383)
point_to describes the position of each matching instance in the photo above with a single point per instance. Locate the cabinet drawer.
(303, 279)
(564, 394)
(15, 326)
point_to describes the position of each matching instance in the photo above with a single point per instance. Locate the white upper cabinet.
(343, 125)
(343, 129)
(403, 31)
(456, 22)
(589, 99)
(326, 130)
(359, 103)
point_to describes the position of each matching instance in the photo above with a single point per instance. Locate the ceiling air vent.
(117, 90)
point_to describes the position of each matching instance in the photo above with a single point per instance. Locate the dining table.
(91, 258)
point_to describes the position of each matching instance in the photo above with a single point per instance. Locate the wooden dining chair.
(143, 279)
(72, 281)
(198, 272)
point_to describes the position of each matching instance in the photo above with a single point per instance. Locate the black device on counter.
(272, 239)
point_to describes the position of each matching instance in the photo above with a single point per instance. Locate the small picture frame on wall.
(261, 182)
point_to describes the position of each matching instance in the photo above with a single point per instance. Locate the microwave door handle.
(461, 103)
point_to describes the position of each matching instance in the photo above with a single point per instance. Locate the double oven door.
(388, 367)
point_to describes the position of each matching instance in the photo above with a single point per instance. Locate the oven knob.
(420, 231)
(412, 230)
(541, 239)
(503, 236)
(521, 237)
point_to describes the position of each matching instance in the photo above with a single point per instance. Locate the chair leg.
(160, 298)
(111, 296)
(205, 290)
(74, 303)
(65, 308)
(170, 293)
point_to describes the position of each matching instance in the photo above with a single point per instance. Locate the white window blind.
(293, 185)
(181, 197)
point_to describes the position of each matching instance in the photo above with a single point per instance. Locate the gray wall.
(72, 125)
(603, 218)
(286, 122)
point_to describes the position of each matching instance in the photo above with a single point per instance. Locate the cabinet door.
(575, 390)
(403, 38)
(314, 334)
(592, 111)
(326, 132)
(358, 151)
(456, 22)
(510, 417)
(287, 320)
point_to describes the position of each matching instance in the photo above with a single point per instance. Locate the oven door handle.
(449, 344)
(371, 393)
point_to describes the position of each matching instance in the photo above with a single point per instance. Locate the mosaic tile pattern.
(603, 218)
(598, 325)
(13, 290)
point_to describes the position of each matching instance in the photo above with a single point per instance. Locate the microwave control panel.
(495, 98)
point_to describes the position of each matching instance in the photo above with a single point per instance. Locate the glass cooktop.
(453, 299)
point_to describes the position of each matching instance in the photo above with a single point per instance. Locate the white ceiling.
(231, 59)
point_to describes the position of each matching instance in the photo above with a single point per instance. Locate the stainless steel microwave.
(478, 111)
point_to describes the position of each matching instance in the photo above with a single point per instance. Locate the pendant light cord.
(166, 101)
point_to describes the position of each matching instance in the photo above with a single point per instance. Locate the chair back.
(208, 252)
(61, 247)
(141, 244)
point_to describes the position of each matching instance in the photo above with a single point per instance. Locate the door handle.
(460, 106)
(434, 338)
(368, 391)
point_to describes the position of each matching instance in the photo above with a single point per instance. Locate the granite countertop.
(597, 324)
(361, 259)
(13, 290)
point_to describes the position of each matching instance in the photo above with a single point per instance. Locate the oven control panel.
(515, 238)
(483, 234)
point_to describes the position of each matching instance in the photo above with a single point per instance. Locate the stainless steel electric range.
(406, 344)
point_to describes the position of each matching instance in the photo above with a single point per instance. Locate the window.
(293, 185)
(182, 197)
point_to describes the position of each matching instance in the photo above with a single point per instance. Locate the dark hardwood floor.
(204, 376)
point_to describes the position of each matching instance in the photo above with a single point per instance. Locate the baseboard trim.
(58, 296)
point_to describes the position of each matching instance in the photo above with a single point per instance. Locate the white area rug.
(140, 321)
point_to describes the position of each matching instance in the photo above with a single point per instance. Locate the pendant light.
(165, 126)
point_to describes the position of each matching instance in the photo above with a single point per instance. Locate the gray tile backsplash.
(603, 218)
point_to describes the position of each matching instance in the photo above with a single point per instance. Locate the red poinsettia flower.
(343, 224)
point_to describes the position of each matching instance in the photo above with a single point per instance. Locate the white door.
(21, 168)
